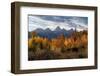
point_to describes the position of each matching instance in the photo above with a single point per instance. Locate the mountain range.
(48, 33)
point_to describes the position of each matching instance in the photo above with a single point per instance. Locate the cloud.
(66, 22)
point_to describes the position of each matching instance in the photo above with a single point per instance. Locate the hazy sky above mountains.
(66, 22)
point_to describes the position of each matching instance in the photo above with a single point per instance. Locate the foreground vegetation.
(62, 47)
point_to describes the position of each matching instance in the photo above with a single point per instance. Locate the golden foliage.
(74, 41)
(59, 44)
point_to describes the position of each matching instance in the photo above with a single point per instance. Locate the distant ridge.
(48, 33)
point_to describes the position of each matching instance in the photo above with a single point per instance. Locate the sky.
(51, 22)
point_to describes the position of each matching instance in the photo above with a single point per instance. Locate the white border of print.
(25, 64)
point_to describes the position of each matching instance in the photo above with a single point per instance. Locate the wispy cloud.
(66, 22)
